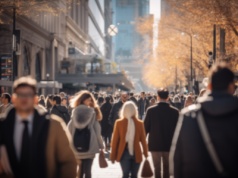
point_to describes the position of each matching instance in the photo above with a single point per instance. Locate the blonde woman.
(86, 113)
(128, 133)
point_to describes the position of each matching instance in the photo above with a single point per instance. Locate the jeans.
(157, 156)
(128, 165)
(86, 166)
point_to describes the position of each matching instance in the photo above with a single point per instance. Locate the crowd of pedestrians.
(59, 135)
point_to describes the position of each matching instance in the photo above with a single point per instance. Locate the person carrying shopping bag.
(86, 131)
(128, 133)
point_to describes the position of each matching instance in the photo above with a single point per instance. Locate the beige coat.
(59, 151)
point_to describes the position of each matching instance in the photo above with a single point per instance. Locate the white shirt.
(18, 132)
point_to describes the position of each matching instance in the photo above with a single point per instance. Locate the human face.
(88, 102)
(232, 88)
(51, 102)
(124, 98)
(24, 99)
(64, 102)
(142, 95)
(3, 99)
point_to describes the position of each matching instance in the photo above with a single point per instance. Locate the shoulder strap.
(209, 145)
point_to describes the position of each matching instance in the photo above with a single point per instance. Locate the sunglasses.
(25, 95)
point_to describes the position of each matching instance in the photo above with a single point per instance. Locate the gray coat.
(83, 116)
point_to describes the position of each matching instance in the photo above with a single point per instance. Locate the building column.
(114, 88)
(54, 54)
(21, 61)
(33, 61)
(43, 68)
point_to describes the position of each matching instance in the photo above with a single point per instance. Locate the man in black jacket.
(143, 104)
(160, 122)
(59, 110)
(114, 114)
(189, 155)
(132, 98)
(32, 143)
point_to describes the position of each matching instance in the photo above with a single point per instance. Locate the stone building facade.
(54, 44)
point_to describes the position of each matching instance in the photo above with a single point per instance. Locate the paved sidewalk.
(112, 171)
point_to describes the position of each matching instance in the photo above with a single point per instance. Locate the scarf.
(130, 135)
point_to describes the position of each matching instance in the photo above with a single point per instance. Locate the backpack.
(81, 139)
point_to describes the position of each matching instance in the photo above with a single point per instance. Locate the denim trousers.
(129, 166)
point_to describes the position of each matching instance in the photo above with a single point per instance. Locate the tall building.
(108, 21)
(64, 50)
(125, 16)
(126, 13)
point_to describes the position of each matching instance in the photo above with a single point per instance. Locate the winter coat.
(105, 109)
(142, 106)
(62, 112)
(84, 116)
(189, 156)
(114, 114)
(50, 152)
(134, 100)
(160, 122)
(118, 143)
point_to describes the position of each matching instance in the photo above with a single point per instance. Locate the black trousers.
(86, 167)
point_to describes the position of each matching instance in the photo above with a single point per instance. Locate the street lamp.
(47, 76)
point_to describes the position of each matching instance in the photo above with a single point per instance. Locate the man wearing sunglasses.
(33, 144)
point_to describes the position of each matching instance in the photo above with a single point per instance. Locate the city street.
(135, 78)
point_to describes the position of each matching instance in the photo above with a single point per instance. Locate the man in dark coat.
(114, 114)
(189, 155)
(160, 122)
(132, 98)
(143, 104)
(106, 127)
(60, 110)
(32, 143)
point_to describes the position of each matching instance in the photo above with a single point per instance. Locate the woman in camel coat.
(128, 133)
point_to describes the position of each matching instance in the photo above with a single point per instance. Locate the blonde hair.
(80, 97)
(129, 110)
